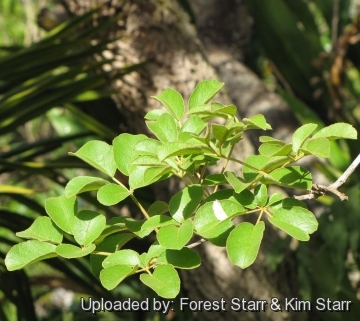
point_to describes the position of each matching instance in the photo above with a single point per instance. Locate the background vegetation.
(54, 96)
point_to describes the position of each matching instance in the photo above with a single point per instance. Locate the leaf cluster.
(186, 140)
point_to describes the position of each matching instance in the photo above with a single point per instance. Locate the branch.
(320, 190)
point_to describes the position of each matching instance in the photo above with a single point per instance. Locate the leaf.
(183, 204)
(112, 276)
(88, 225)
(114, 225)
(293, 176)
(112, 194)
(194, 125)
(173, 101)
(246, 199)
(145, 175)
(319, 147)
(154, 251)
(147, 146)
(83, 184)
(179, 149)
(62, 211)
(301, 134)
(109, 245)
(182, 259)
(256, 122)
(203, 92)
(164, 281)
(122, 257)
(124, 146)
(69, 251)
(135, 227)
(25, 253)
(165, 128)
(256, 161)
(174, 237)
(154, 114)
(158, 221)
(337, 131)
(260, 193)
(237, 183)
(43, 229)
(220, 132)
(214, 179)
(99, 155)
(158, 208)
(244, 242)
(230, 110)
(296, 221)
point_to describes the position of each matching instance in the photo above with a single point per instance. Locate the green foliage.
(187, 144)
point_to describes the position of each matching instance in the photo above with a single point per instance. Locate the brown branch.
(320, 190)
(190, 246)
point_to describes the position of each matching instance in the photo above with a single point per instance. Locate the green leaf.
(124, 146)
(83, 184)
(158, 221)
(99, 155)
(301, 134)
(183, 204)
(69, 251)
(194, 125)
(25, 253)
(112, 276)
(154, 251)
(244, 242)
(122, 257)
(135, 227)
(62, 211)
(203, 92)
(179, 149)
(274, 149)
(114, 225)
(112, 194)
(145, 175)
(88, 225)
(109, 245)
(293, 176)
(296, 221)
(182, 259)
(260, 193)
(174, 237)
(256, 122)
(230, 110)
(164, 281)
(214, 179)
(158, 208)
(256, 161)
(147, 146)
(220, 132)
(165, 128)
(237, 183)
(319, 147)
(43, 229)
(173, 101)
(154, 114)
(337, 131)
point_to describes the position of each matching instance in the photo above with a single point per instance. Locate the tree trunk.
(179, 55)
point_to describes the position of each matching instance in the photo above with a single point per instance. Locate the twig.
(190, 246)
(320, 190)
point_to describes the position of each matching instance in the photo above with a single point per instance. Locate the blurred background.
(75, 70)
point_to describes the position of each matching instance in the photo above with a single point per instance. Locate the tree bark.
(179, 55)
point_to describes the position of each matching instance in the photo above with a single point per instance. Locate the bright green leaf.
(62, 211)
(337, 131)
(203, 92)
(183, 204)
(158, 221)
(174, 237)
(43, 229)
(111, 277)
(69, 251)
(182, 259)
(301, 134)
(112, 194)
(164, 281)
(158, 208)
(135, 227)
(122, 257)
(173, 101)
(319, 147)
(256, 122)
(83, 184)
(165, 128)
(147, 146)
(237, 183)
(244, 242)
(124, 151)
(293, 176)
(88, 225)
(260, 193)
(194, 125)
(25, 253)
(99, 155)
